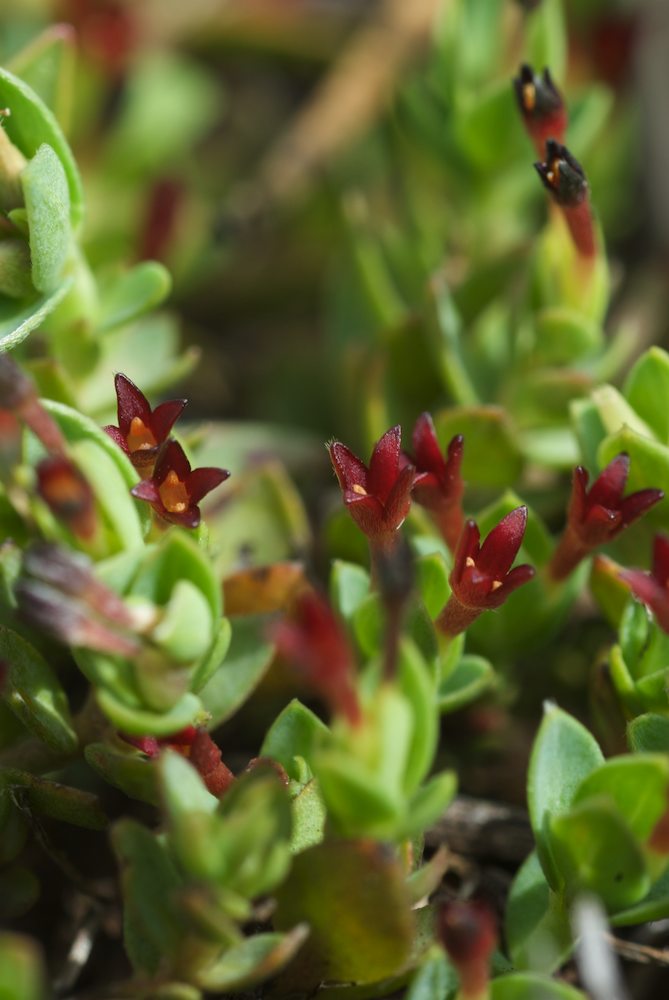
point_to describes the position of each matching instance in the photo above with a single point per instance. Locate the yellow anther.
(529, 96)
(469, 562)
(496, 584)
(360, 490)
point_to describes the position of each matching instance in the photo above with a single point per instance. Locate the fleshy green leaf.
(35, 695)
(646, 389)
(636, 785)
(18, 320)
(22, 975)
(471, 677)
(649, 733)
(47, 201)
(349, 586)
(246, 663)
(527, 986)
(129, 770)
(141, 722)
(491, 457)
(133, 293)
(296, 732)
(61, 802)
(255, 959)
(537, 924)
(435, 978)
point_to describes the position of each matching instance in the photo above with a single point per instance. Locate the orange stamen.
(140, 437)
(174, 494)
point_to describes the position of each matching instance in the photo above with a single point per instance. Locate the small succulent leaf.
(247, 661)
(425, 880)
(47, 201)
(537, 923)
(649, 733)
(35, 695)
(565, 335)
(636, 785)
(22, 973)
(18, 320)
(142, 722)
(61, 802)
(491, 457)
(214, 657)
(356, 800)
(133, 293)
(417, 685)
(528, 986)
(432, 572)
(436, 977)
(653, 906)
(564, 753)
(19, 891)
(471, 677)
(296, 732)
(254, 960)
(128, 770)
(185, 631)
(649, 464)
(177, 557)
(150, 882)
(427, 804)
(596, 851)
(546, 41)
(30, 125)
(645, 388)
(353, 896)
(634, 633)
(309, 816)
(47, 65)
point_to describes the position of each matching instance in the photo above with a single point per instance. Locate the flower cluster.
(168, 483)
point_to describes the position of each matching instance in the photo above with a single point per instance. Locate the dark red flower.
(482, 577)
(67, 494)
(141, 431)
(438, 485)
(312, 639)
(174, 491)
(653, 588)
(541, 107)
(598, 515)
(564, 178)
(468, 933)
(378, 498)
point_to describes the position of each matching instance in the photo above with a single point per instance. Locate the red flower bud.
(482, 577)
(67, 494)
(313, 639)
(564, 178)
(541, 107)
(438, 485)
(141, 431)
(598, 515)
(174, 491)
(653, 588)
(468, 932)
(378, 498)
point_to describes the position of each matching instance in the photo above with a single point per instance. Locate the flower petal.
(385, 464)
(164, 417)
(428, 456)
(131, 402)
(514, 578)
(636, 504)
(203, 481)
(399, 499)
(607, 489)
(468, 547)
(501, 546)
(117, 436)
(367, 512)
(350, 471)
(577, 500)
(661, 559)
(172, 458)
(147, 490)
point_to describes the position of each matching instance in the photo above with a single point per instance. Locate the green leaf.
(30, 125)
(471, 677)
(654, 906)
(309, 816)
(527, 986)
(427, 804)
(595, 850)
(246, 663)
(636, 785)
(175, 558)
(128, 770)
(649, 733)
(296, 732)
(47, 64)
(546, 41)
(254, 960)
(537, 924)
(356, 800)
(141, 722)
(633, 632)
(491, 457)
(354, 898)
(646, 389)
(185, 631)
(132, 294)
(47, 200)
(432, 572)
(435, 978)
(564, 335)
(18, 320)
(35, 695)
(213, 659)
(150, 881)
(61, 802)
(349, 586)
(564, 753)
(22, 975)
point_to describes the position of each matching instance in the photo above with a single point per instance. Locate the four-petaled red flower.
(541, 107)
(653, 588)
(313, 639)
(482, 577)
(141, 431)
(438, 485)
(598, 515)
(377, 498)
(173, 490)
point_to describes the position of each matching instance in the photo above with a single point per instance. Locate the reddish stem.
(569, 552)
(456, 617)
(581, 226)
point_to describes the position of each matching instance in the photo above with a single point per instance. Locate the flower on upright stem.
(653, 588)
(378, 498)
(174, 490)
(313, 639)
(598, 515)
(564, 179)
(468, 933)
(438, 485)
(141, 431)
(67, 494)
(541, 106)
(482, 577)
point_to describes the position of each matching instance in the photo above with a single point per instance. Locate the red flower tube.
(564, 179)
(541, 107)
